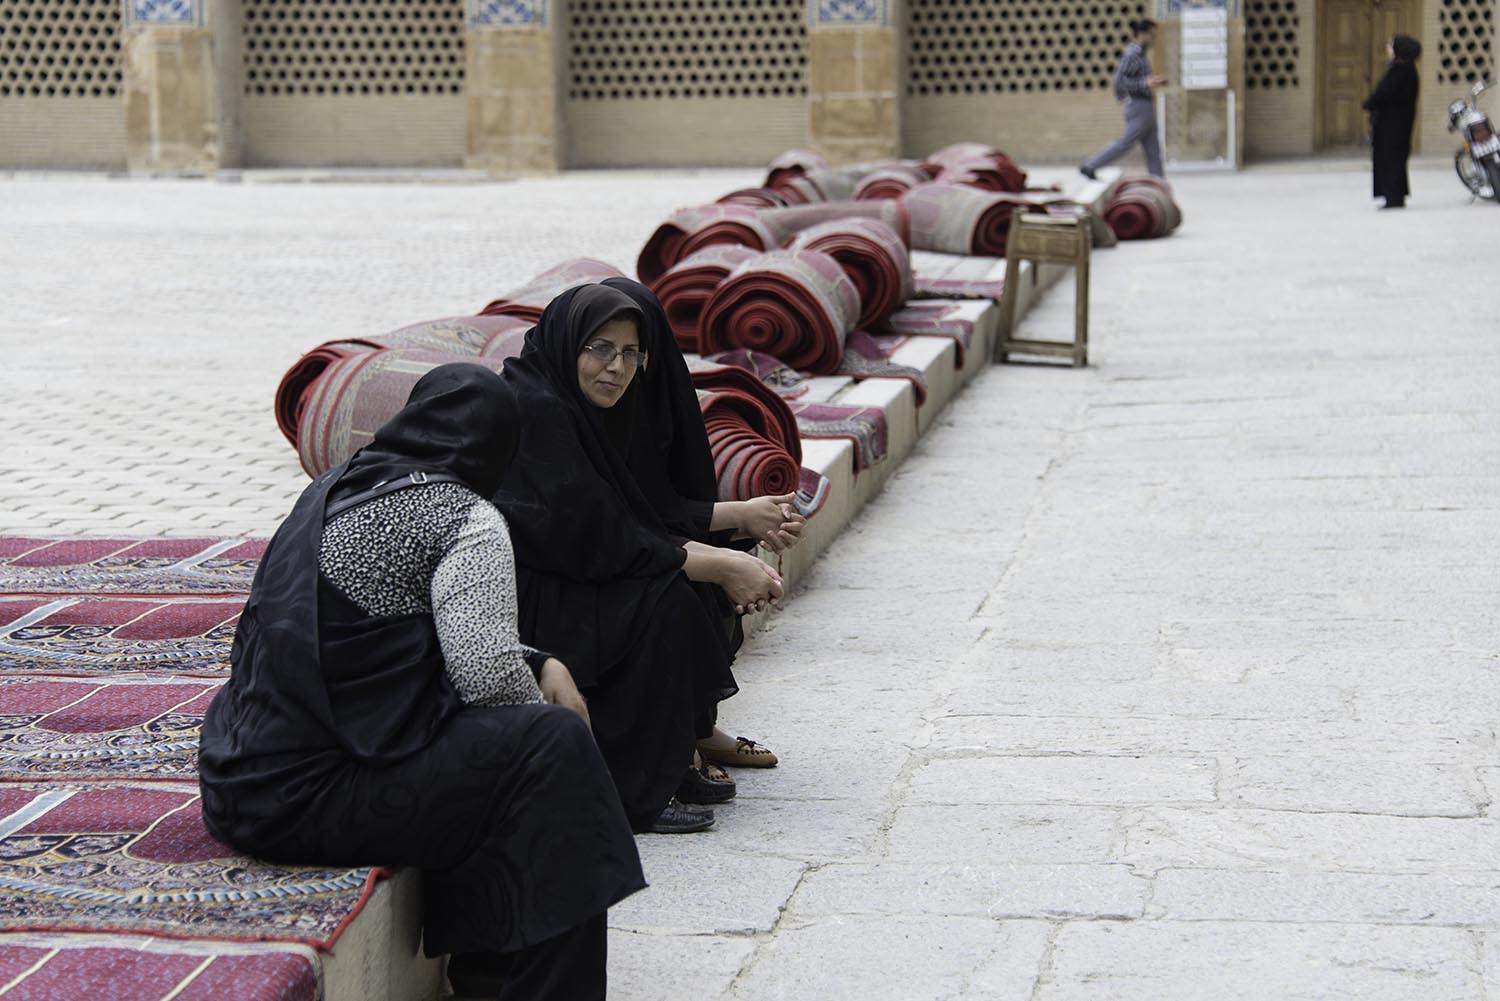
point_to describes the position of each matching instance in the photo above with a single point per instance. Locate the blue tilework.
(508, 13)
(849, 11)
(163, 12)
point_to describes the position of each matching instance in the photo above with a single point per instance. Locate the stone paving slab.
(1168, 678)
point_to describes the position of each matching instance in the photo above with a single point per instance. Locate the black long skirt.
(650, 707)
(509, 812)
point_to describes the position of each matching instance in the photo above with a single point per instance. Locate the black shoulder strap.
(413, 479)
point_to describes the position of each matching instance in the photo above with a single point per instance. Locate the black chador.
(340, 740)
(599, 569)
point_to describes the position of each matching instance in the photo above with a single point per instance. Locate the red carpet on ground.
(101, 729)
(127, 566)
(55, 967)
(135, 857)
(106, 636)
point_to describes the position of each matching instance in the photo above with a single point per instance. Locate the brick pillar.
(183, 72)
(512, 53)
(854, 76)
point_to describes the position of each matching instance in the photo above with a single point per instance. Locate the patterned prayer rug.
(933, 319)
(127, 566)
(866, 427)
(865, 358)
(80, 730)
(135, 857)
(110, 636)
(957, 276)
(57, 967)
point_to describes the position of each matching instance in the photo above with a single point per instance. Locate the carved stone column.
(183, 73)
(854, 77)
(513, 58)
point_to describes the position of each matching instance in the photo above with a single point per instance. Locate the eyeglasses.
(605, 353)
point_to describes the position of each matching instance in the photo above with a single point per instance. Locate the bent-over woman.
(381, 710)
(604, 584)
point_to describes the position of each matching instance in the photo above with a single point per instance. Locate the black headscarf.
(461, 420)
(574, 507)
(669, 452)
(1405, 48)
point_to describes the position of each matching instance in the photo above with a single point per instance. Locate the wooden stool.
(1044, 239)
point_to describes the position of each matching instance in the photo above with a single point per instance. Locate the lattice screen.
(1272, 55)
(310, 47)
(59, 48)
(1465, 53)
(963, 47)
(653, 49)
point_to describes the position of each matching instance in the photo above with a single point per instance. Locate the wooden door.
(1352, 38)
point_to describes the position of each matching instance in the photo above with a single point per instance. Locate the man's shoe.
(676, 818)
(1088, 172)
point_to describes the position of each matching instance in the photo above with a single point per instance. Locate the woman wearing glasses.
(603, 584)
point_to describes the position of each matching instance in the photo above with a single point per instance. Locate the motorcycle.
(1478, 163)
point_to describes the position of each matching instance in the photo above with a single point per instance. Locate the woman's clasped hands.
(772, 521)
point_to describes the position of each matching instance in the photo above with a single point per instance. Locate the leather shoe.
(677, 818)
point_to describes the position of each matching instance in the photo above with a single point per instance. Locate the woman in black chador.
(1393, 113)
(606, 581)
(381, 710)
(671, 460)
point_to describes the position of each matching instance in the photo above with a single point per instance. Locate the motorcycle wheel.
(1473, 175)
(1492, 174)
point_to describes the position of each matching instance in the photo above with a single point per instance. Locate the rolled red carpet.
(954, 219)
(874, 258)
(530, 299)
(756, 198)
(358, 394)
(890, 180)
(691, 230)
(291, 392)
(774, 422)
(465, 335)
(795, 304)
(788, 222)
(793, 163)
(685, 289)
(986, 167)
(826, 184)
(1173, 211)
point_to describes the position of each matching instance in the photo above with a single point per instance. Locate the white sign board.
(1205, 49)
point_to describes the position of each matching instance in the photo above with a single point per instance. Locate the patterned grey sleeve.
(474, 610)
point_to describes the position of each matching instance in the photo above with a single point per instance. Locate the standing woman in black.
(1393, 113)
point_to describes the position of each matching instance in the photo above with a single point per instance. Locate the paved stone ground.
(1173, 678)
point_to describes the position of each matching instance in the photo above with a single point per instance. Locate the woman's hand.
(771, 521)
(749, 582)
(558, 689)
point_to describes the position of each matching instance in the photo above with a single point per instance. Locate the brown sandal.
(746, 754)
